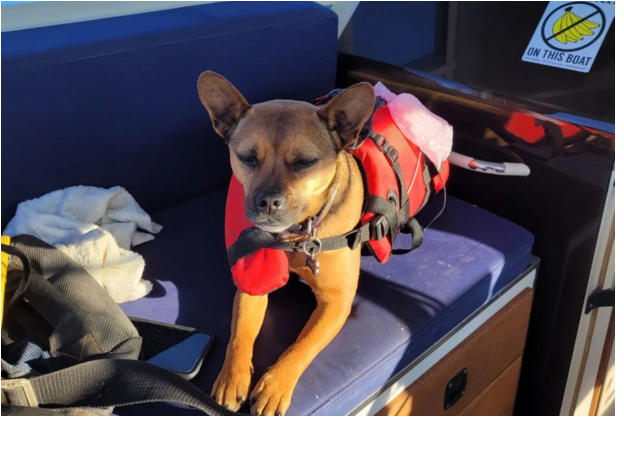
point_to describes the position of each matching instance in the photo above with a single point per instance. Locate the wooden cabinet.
(479, 376)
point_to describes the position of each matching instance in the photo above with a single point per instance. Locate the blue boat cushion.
(403, 306)
(114, 101)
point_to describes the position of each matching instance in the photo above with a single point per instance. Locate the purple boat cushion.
(403, 306)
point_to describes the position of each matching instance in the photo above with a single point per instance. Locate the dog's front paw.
(272, 394)
(231, 387)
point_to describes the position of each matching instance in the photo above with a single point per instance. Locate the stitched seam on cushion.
(61, 61)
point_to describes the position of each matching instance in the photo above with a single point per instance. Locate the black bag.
(67, 347)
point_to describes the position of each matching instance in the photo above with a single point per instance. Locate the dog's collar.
(304, 233)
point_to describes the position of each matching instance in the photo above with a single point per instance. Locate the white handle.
(517, 170)
(491, 168)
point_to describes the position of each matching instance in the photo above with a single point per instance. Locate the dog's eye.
(250, 161)
(301, 164)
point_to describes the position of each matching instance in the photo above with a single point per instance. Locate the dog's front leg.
(231, 387)
(334, 290)
(272, 395)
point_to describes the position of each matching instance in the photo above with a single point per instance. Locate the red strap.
(440, 179)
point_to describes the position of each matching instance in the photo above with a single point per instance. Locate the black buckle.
(380, 227)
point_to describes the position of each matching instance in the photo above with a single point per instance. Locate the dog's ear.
(222, 101)
(347, 112)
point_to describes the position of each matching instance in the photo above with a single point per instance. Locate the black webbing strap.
(554, 134)
(251, 240)
(256, 239)
(412, 227)
(387, 221)
(108, 383)
(351, 239)
(426, 180)
(393, 156)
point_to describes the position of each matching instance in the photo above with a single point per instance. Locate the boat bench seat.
(113, 102)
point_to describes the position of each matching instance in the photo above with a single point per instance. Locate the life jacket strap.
(254, 239)
(393, 156)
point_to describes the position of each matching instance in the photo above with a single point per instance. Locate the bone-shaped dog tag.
(313, 264)
(311, 247)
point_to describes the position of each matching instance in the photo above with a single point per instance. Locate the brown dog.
(289, 156)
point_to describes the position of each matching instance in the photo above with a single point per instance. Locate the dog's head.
(284, 152)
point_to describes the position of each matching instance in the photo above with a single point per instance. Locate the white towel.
(96, 227)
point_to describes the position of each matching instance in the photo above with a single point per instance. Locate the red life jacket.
(533, 130)
(381, 179)
(266, 269)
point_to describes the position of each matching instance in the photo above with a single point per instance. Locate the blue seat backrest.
(114, 101)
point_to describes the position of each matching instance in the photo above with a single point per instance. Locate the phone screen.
(174, 347)
(185, 356)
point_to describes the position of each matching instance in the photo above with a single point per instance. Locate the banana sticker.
(569, 34)
(572, 28)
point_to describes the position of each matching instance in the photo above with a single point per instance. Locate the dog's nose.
(268, 202)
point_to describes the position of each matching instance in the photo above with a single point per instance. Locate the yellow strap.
(6, 240)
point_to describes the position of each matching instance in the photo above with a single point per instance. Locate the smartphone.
(174, 347)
